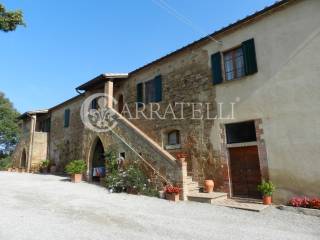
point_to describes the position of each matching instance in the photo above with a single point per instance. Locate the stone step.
(194, 187)
(193, 191)
(191, 185)
(207, 197)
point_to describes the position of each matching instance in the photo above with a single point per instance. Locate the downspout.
(32, 130)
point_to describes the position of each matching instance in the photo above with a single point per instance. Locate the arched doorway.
(120, 103)
(23, 160)
(98, 162)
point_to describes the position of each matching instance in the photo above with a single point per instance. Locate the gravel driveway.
(49, 207)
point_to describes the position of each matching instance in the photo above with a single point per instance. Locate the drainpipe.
(32, 130)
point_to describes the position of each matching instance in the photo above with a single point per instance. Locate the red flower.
(305, 202)
(181, 155)
(171, 189)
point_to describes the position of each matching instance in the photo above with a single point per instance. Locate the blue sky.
(68, 42)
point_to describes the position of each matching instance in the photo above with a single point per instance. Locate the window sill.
(244, 144)
(172, 147)
(225, 81)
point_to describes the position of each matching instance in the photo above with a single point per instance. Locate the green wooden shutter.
(139, 94)
(249, 55)
(66, 118)
(158, 89)
(216, 68)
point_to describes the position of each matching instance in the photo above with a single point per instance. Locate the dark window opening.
(120, 103)
(44, 125)
(174, 137)
(94, 104)
(123, 155)
(241, 132)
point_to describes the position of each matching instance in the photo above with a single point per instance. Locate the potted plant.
(266, 188)
(76, 168)
(44, 166)
(208, 185)
(172, 193)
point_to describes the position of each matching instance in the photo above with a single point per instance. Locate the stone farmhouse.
(259, 80)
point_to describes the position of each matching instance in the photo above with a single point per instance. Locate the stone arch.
(95, 157)
(23, 159)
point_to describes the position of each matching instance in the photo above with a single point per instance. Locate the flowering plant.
(181, 155)
(305, 202)
(171, 189)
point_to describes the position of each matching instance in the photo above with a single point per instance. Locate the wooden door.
(245, 171)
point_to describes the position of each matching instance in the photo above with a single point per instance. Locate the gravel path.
(48, 207)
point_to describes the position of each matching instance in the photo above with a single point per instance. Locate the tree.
(9, 126)
(9, 20)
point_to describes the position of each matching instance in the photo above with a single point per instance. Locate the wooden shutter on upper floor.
(158, 88)
(140, 94)
(249, 56)
(66, 118)
(216, 68)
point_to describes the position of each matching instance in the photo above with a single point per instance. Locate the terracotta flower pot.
(76, 178)
(267, 200)
(208, 185)
(172, 197)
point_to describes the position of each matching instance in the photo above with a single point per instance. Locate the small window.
(174, 137)
(66, 118)
(234, 64)
(241, 132)
(122, 155)
(94, 104)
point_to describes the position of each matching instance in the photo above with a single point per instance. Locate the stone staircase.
(162, 163)
(193, 187)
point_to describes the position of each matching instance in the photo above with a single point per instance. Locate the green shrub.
(5, 163)
(45, 163)
(129, 178)
(76, 167)
(266, 188)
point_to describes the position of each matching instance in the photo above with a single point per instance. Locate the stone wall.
(185, 78)
(66, 143)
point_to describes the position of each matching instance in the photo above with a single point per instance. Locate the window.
(152, 91)
(234, 64)
(94, 104)
(237, 63)
(241, 132)
(45, 125)
(174, 137)
(122, 155)
(66, 118)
